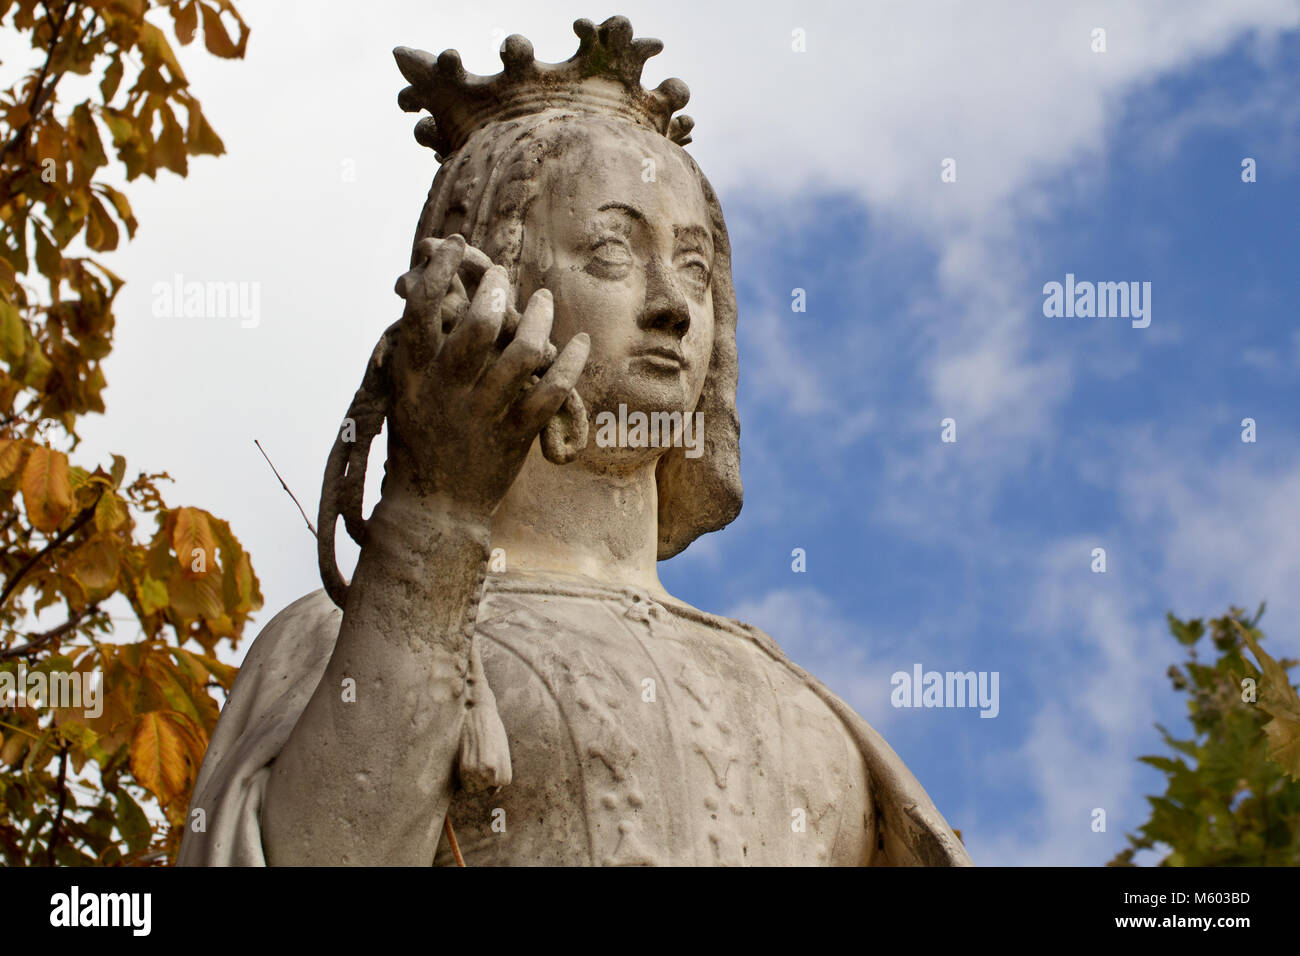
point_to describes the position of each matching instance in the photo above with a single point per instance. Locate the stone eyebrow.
(630, 210)
(698, 233)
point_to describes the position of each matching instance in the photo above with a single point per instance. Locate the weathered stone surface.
(505, 656)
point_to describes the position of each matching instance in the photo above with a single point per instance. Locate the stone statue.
(505, 678)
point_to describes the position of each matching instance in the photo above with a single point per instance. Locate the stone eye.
(697, 270)
(612, 251)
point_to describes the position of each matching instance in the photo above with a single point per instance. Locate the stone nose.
(666, 308)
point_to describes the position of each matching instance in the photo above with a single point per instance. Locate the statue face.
(620, 235)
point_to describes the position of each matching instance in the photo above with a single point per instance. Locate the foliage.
(1233, 790)
(86, 542)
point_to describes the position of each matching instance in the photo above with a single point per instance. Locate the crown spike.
(416, 65)
(679, 130)
(674, 92)
(410, 100)
(459, 103)
(449, 65)
(426, 132)
(516, 54)
(646, 47)
(616, 32)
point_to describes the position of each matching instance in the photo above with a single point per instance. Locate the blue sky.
(924, 301)
(954, 585)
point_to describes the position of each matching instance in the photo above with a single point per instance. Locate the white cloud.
(1227, 530)
(1184, 540)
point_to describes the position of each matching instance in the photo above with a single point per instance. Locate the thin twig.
(451, 838)
(19, 730)
(310, 526)
(36, 641)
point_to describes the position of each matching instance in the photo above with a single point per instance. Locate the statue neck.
(579, 519)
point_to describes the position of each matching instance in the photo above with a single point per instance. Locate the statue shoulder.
(912, 832)
(293, 647)
(276, 679)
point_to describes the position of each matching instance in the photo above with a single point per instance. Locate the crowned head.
(573, 177)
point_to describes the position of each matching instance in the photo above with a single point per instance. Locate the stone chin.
(640, 388)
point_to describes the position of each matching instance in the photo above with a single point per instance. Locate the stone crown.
(603, 76)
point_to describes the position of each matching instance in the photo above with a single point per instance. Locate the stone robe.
(642, 732)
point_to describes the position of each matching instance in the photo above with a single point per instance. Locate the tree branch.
(39, 93)
(86, 514)
(36, 641)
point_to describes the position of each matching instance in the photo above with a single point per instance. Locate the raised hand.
(466, 406)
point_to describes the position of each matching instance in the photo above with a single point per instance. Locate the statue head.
(573, 177)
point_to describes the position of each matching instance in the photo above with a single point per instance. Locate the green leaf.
(1185, 632)
(152, 594)
(1164, 763)
(132, 822)
(13, 333)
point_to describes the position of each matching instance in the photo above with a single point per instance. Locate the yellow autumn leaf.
(223, 672)
(194, 543)
(1279, 700)
(13, 333)
(11, 454)
(1284, 744)
(13, 750)
(122, 206)
(101, 231)
(154, 45)
(200, 136)
(96, 564)
(195, 597)
(160, 754)
(215, 37)
(246, 585)
(47, 488)
(109, 510)
(187, 21)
